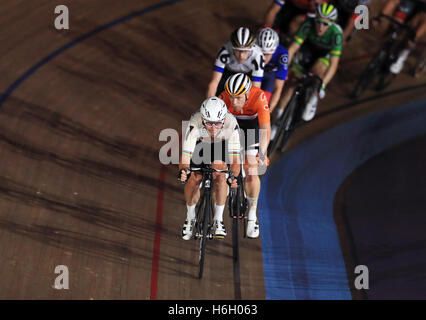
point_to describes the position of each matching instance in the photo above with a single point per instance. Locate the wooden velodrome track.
(80, 180)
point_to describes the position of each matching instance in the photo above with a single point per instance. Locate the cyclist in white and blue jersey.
(276, 65)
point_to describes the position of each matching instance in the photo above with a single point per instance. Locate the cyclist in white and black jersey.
(239, 55)
(212, 137)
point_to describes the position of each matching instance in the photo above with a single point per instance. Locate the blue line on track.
(302, 258)
(71, 44)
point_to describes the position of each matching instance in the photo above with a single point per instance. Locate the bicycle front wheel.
(205, 228)
(369, 73)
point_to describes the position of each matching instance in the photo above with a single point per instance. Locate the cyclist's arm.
(188, 146)
(390, 7)
(185, 162)
(264, 116)
(234, 150)
(272, 12)
(331, 71)
(256, 83)
(421, 27)
(214, 82)
(265, 136)
(294, 47)
(276, 93)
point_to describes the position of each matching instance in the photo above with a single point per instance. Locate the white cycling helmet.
(268, 40)
(213, 109)
(327, 11)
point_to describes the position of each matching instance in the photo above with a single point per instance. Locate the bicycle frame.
(292, 113)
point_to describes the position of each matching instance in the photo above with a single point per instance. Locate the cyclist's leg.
(319, 68)
(192, 190)
(219, 161)
(192, 195)
(252, 182)
(417, 23)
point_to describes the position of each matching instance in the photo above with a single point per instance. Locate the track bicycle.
(292, 115)
(379, 65)
(204, 213)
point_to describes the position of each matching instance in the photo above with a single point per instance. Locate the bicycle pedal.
(219, 237)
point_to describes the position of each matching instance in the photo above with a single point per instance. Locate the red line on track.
(157, 237)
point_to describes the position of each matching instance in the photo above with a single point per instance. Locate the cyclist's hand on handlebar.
(321, 92)
(184, 174)
(262, 159)
(233, 183)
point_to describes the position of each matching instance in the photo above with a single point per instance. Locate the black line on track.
(236, 260)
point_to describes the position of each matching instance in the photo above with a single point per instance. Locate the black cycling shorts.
(207, 153)
(249, 133)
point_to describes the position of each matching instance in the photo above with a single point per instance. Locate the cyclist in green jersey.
(316, 47)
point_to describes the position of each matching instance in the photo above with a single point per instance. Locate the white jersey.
(196, 133)
(254, 64)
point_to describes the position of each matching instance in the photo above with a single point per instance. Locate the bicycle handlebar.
(209, 170)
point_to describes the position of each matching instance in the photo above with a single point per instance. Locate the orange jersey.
(256, 106)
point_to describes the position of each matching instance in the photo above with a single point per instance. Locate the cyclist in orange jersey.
(250, 106)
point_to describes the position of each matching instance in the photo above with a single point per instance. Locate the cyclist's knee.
(195, 178)
(219, 178)
(252, 174)
(251, 168)
(319, 69)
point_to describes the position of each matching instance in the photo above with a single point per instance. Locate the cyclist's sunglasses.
(323, 22)
(213, 124)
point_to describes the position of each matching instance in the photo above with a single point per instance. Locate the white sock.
(280, 113)
(218, 212)
(252, 208)
(273, 131)
(404, 54)
(190, 213)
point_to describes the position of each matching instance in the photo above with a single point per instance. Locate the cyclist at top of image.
(239, 55)
(316, 48)
(212, 137)
(411, 12)
(288, 15)
(250, 106)
(276, 65)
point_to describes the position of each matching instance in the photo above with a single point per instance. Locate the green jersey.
(329, 43)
